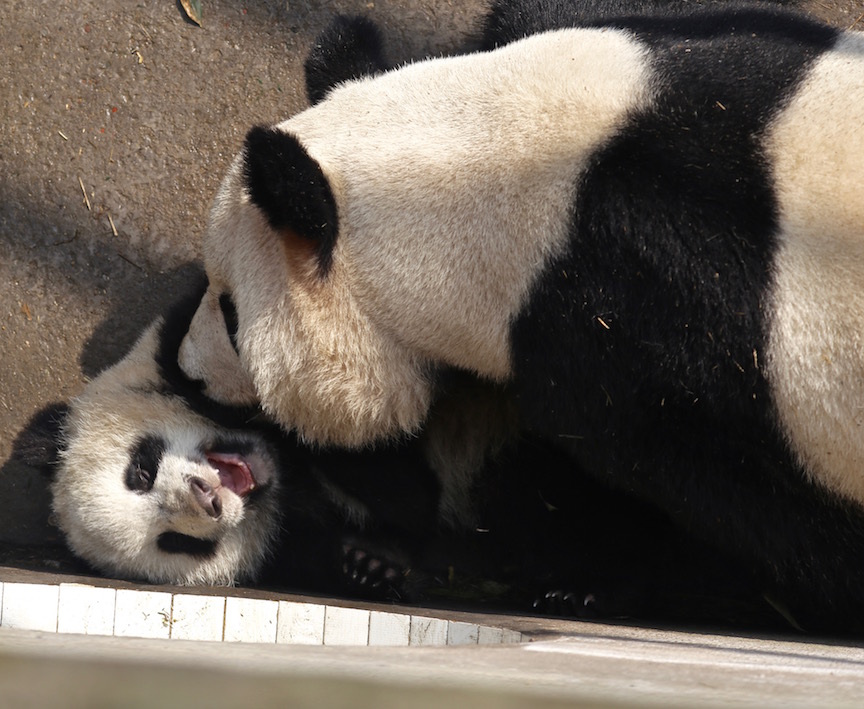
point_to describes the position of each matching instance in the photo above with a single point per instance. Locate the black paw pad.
(568, 604)
(371, 575)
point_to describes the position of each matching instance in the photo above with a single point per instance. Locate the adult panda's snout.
(206, 497)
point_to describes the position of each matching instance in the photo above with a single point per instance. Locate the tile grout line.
(368, 626)
(224, 615)
(57, 614)
(171, 619)
(114, 617)
(324, 627)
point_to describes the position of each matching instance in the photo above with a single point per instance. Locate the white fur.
(116, 529)
(816, 355)
(454, 181)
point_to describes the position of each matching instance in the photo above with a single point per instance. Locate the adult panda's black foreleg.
(570, 545)
(354, 523)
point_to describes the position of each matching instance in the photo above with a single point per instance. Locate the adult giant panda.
(648, 226)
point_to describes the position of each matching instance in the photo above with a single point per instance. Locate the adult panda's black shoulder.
(510, 20)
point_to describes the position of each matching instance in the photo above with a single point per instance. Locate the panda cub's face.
(146, 488)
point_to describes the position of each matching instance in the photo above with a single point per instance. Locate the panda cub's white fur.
(476, 155)
(193, 487)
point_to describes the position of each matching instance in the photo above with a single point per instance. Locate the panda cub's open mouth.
(243, 468)
(234, 471)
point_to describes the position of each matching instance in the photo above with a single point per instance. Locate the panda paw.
(371, 575)
(568, 604)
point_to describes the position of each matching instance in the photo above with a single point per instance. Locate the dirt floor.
(119, 119)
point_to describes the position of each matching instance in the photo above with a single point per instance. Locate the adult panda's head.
(399, 225)
(154, 481)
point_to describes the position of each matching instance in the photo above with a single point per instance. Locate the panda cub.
(647, 227)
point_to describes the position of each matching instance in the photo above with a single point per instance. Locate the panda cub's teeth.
(234, 472)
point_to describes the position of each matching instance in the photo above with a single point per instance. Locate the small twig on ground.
(86, 198)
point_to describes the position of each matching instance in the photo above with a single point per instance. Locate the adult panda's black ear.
(350, 48)
(41, 441)
(291, 190)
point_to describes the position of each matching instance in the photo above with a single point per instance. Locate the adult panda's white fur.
(650, 227)
(816, 357)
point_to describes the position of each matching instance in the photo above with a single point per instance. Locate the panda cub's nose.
(207, 497)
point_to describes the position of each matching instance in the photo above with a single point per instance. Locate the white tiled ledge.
(122, 612)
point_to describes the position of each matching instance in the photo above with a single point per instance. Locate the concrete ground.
(118, 121)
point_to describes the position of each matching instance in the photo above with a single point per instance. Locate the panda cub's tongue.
(234, 472)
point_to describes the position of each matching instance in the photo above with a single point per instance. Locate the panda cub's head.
(145, 487)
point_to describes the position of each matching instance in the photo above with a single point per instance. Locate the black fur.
(174, 328)
(144, 460)
(323, 549)
(229, 314)
(350, 48)
(176, 543)
(290, 189)
(510, 20)
(40, 443)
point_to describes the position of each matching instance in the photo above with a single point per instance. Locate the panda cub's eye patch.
(144, 459)
(176, 543)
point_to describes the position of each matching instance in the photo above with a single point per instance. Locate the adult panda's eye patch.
(229, 314)
(144, 459)
(176, 543)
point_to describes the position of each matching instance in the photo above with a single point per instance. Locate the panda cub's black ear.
(39, 444)
(350, 48)
(289, 187)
